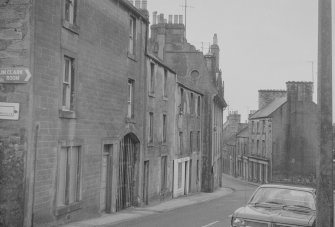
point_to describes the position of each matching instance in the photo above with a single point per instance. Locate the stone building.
(283, 136)
(160, 140)
(231, 129)
(242, 151)
(197, 72)
(188, 131)
(76, 148)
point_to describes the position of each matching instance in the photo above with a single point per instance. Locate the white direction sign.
(14, 75)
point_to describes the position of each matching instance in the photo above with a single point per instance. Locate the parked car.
(273, 205)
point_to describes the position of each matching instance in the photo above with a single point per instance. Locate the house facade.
(188, 132)
(198, 72)
(160, 141)
(76, 149)
(283, 136)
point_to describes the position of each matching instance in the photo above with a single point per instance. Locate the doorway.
(128, 170)
(146, 183)
(106, 178)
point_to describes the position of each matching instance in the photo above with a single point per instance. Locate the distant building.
(201, 74)
(231, 128)
(283, 136)
(242, 151)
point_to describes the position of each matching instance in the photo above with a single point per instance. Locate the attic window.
(195, 74)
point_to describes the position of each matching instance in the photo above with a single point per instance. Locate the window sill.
(71, 27)
(68, 208)
(69, 114)
(130, 120)
(151, 94)
(131, 56)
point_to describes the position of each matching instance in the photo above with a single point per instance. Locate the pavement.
(138, 212)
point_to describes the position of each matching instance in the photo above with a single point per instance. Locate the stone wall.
(15, 32)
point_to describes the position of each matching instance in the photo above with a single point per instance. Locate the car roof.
(285, 186)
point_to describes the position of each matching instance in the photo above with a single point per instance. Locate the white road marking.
(210, 224)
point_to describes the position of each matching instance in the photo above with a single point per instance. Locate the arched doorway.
(128, 172)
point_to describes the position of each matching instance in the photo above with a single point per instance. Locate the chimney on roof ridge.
(175, 21)
(145, 4)
(170, 19)
(181, 20)
(138, 4)
(154, 17)
(215, 39)
(161, 18)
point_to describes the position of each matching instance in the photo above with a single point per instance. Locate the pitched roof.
(270, 108)
(244, 132)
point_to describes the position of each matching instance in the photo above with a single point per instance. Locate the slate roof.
(269, 109)
(244, 132)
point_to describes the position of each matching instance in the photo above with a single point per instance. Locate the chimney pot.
(181, 21)
(170, 19)
(161, 18)
(144, 4)
(138, 4)
(176, 19)
(154, 17)
(215, 39)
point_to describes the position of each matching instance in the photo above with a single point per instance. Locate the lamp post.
(324, 165)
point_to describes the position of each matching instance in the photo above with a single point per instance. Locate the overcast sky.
(263, 43)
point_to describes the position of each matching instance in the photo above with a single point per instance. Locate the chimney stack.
(145, 4)
(154, 17)
(215, 39)
(181, 21)
(138, 4)
(299, 91)
(265, 97)
(170, 19)
(175, 19)
(161, 18)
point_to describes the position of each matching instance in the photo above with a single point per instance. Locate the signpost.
(14, 75)
(324, 161)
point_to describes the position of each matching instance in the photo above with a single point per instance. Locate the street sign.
(9, 111)
(14, 75)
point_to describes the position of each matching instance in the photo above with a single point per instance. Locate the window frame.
(181, 143)
(69, 206)
(164, 132)
(199, 106)
(151, 128)
(192, 104)
(132, 36)
(69, 73)
(65, 112)
(165, 81)
(130, 99)
(152, 78)
(71, 24)
(181, 106)
(164, 170)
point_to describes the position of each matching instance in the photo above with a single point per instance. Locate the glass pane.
(62, 177)
(180, 174)
(73, 175)
(66, 69)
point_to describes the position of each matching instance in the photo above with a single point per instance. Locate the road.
(208, 214)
